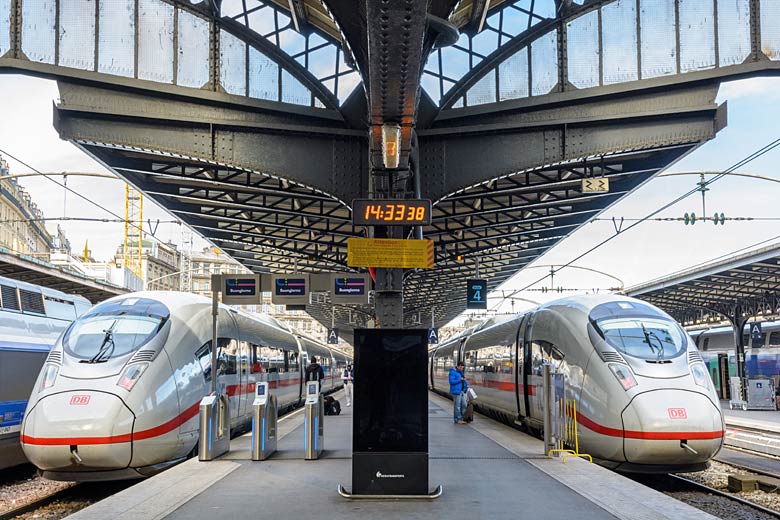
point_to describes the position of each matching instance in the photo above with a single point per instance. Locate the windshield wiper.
(107, 347)
(647, 337)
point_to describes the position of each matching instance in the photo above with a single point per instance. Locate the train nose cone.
(659, 424)
(78, 431)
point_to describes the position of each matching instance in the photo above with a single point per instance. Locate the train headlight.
(623, 374)
(130, 375)
(700, 375)
(49, 376)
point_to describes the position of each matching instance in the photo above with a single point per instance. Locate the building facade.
(160, 264)
(22, 227)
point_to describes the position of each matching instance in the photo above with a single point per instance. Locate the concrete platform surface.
(487, 470)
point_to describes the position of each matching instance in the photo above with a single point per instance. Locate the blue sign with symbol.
(476, 294)
(290, 287)
(433, 336)
(756, 334)
(333, 336)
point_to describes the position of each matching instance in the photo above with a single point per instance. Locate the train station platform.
(487, 470)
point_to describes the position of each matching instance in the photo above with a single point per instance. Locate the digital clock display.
(391, 212)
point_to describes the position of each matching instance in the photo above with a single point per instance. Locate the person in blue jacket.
(458, 388)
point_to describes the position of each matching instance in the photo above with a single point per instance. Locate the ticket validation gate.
(214, 427)
(313, 422)
(264, 417)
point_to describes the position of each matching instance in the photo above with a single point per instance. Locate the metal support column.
(738, 322)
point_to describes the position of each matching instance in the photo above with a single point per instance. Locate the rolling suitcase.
(468, 415)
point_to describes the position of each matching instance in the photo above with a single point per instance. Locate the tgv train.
(644, 398)
(31, 319)
(118, 396)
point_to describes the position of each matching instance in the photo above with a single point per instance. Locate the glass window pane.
(697, 35)
(733, 31)
(659, 38)
(618, 33)
(513, 76)
(263, 76)
(155, 41)
(322, 62)
(293, 90)
(38, 30)
(116, 53)
(77, 34)
(582, 36)
(770, 28)
(347, 83)
(232, 67)
(193, 67)
(431, 86)
(544, 64)
(454, 62)
(483, 91)
(5, 26)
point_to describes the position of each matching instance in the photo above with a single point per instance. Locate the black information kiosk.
(390, 423)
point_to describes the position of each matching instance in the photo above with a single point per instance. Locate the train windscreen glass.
(638, 330)
(114, 329)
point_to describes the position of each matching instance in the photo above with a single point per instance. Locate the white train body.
(130, 409)
(645, 400)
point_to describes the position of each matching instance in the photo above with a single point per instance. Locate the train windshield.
(638, 330)
(114, 329)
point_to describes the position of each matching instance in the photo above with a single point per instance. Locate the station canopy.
(734, 288)
(255, 121)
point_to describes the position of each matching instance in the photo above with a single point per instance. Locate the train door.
(519, 354)
(723, 376)
(243, 378)
(525, 367)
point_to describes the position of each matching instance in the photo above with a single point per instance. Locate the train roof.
(52, 293)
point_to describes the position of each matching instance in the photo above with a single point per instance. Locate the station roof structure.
(257, 122)
(31, 270)
(739, 286)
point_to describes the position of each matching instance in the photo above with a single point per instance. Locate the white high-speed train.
(645, 400)
(119, 394)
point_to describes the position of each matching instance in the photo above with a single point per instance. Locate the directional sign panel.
(390, 253)
(756, 334)
(333, 336)
(290, 289)
(243, 289)
(349, 288)
(595, 185)
(476, 294)
(433, 336)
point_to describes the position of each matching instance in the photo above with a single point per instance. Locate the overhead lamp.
(391, 142)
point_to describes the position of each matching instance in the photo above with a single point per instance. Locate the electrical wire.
(66, 188)
(755, 155)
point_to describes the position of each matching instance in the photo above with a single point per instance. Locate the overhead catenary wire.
(67, 189)
(755, 155)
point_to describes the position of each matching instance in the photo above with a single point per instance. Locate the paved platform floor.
(487, 470)
(768, 420)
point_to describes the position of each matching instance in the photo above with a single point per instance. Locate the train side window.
(774, 339)
(32, 301)
(292, 361)
(228, 352)
(59, 309)
(705, 344)
(203, 355)
(10, 297)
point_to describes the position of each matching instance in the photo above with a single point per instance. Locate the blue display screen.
(349, 286)
(290, 287)
(240, 287)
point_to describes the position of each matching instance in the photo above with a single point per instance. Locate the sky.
(650, 250)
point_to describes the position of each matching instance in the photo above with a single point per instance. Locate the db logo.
(677, 413)
(79, 399)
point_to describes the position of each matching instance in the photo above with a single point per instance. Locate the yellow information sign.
(390, 252)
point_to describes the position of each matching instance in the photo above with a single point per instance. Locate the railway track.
(38, 503)
(743, 508)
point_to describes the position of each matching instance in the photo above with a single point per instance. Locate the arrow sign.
(595, 185)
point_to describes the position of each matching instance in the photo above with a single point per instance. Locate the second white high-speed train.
(645, 400)
(119, 394)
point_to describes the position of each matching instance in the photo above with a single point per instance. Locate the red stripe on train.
(162, 429)
(653, 436)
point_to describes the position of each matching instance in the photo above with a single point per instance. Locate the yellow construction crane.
(134, 221)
